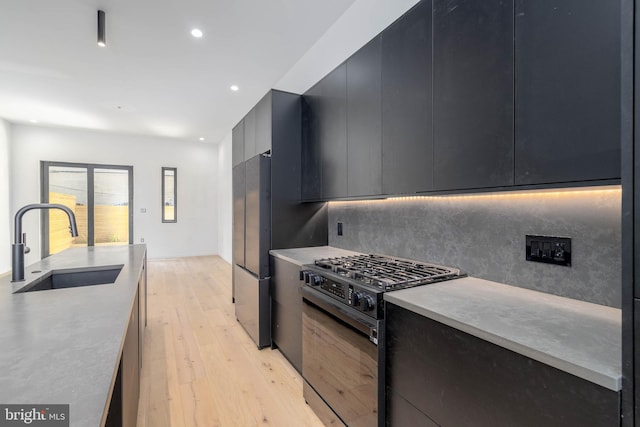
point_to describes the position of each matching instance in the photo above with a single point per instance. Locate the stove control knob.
(316, 280)
(356, 299)
(368, 303)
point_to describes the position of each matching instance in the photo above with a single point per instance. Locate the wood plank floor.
(200, 368)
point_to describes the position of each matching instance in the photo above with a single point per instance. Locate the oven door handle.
(345, 314)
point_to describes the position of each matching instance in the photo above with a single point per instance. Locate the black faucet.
(18, 247)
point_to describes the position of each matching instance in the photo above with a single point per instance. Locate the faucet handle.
(24, 242)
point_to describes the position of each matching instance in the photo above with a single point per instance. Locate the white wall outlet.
(142, 240)
(143, 210)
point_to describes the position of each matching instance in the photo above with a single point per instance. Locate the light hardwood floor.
(200, 368)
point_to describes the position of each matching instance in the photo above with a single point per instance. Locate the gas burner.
(387, 273)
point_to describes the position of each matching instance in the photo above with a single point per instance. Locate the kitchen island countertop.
(578, 337)
(63, 346)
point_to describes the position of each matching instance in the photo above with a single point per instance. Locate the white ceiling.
(153, 78)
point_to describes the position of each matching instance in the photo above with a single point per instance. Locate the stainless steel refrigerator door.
(238, 214)
(258, 215)
(253, 306)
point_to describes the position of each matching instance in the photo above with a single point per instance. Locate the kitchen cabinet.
(407, 103)
(286, 310)
(237, 143)
(250, 134)
(142, 308)
(131, 370)
(263, 124)
(483, 384)
(364, 121)
(567, 74)
(473, 94)
(325, 137)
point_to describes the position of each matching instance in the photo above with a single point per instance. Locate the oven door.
(340, 361)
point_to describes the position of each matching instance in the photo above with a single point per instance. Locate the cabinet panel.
(407, 100)
(427, 360)
(237, 143)
(263, 124)
(250, 134)
(473, 93)
(333, 133)
(364, 121)
(311, 157)
(567, 56)
(286, 306)
(131, 370)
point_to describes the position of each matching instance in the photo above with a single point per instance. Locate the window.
(101, 196)
(169, 195)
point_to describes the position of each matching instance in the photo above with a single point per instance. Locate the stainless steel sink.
(74, 277)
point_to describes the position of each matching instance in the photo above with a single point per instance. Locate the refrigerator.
(251, 244)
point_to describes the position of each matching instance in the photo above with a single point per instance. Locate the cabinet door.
(364, 121)
(484, 384)
(473, 93)
(311, 157)
(567, 56)
(324, 138)
(239, 206)
(407, 99)
(131, 370)
(333, 133)
(263, 124)
(250, 134)
(237, 142)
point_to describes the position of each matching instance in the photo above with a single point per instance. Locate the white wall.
(194, 234)
(225, 199)
(5, 196)
(359, 24)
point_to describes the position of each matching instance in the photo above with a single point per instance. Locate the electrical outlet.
(550, 250)
(143, 210)
(142, 240)
(339, 228)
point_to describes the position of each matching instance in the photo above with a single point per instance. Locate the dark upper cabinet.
(473, 93)
(237, 142)
(407, 103)
(250, 134)
(364, 124)
(263, 124)
(567, 56)
(325, 137)
(311, 157)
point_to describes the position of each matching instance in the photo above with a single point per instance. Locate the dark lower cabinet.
(407, 103)
(123, 407)
(286, 310)
(567, 58)
(364, 124)
(446, 377)
(131, 369)
(473, 93)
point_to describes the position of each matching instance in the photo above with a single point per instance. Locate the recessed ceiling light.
(196, 33)
(33, 121)
(234, 88)
(201, 138)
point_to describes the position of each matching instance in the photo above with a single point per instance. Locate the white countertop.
(581, 338)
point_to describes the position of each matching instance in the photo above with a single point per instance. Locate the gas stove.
(359, 281)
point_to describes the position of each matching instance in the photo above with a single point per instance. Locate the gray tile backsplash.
(484, 235)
